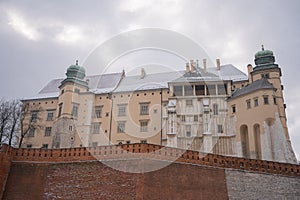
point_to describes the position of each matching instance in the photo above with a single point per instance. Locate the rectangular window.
(95, 128)
(98, 111)
(60, 109)
(144, 108)
(45, 146)
(121, 127)
(266, 100)
(215, 109)
(48, 131)
(177, 90)
(122, 110)
(75, 110)
(33, 116)
(31, 132)
(94, 144)
(189, 102)
(77, 90)
(195, 118)
(143, 141)
(210, 89)
(188, 130)
(188, 90)
(29, 145)
(144, 126)
(183, 118)
(266, 75)
(255, 102)
(222, 89)
(220, 128)
(248, 102)
(50, 115)
(200, 90)
(274, 99)
(233, 108)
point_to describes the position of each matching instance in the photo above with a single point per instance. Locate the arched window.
(245, 141)
(257, 141)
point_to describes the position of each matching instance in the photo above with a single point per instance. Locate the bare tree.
(29, 120)
(15, 108)
(4, 118)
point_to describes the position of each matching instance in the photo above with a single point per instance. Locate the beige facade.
(219, 110)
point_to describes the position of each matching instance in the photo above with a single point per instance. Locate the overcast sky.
(40, 39)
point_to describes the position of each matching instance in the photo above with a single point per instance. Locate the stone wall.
(247, 185)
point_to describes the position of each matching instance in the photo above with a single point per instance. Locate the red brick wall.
(6, 153)
(94, 180)
(154, 152)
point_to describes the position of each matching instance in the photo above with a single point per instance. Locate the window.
(215, 109)
(248, 102)
(33, 116)
(98, 111)
(122, 110)
(266, 99)
(75, 110)
(183, 118)
(70, 128)
(177, 90)
(188, 90)
(220, 128)
(77, 90)
(188, 130)
(29, 145)
(200, 90)
(50, 115)
(144, 126)
(60, 109)
(144, 108)
(143, 141)
(45, 146)
(189, 102)
(265, 75)
(95, 128)
(195, 118)
(128, 142)
(94, 144)
(255, 102)
(31, 132)
(222, 89)
(274, 99)
(48, 131)
(233, 108)
(121, 127)
(63, 91)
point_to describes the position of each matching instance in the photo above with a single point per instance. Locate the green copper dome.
(76, 71)
(264, 59)
(264, 53)
(75, 74)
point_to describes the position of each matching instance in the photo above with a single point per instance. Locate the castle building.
(219, 110)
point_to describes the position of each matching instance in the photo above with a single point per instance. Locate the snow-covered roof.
(230, 72)
(114, 82)
(148, 82)
(97, 84)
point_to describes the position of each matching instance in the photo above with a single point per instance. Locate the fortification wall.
(152, 151)
(6, 154)
(77, 173)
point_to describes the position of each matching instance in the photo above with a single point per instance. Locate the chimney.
(143, 73)
(193, 67)
(187, 67)
(250, 69)
(218, 64)
(204, 65)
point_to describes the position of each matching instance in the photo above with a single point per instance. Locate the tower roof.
(264, 59)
